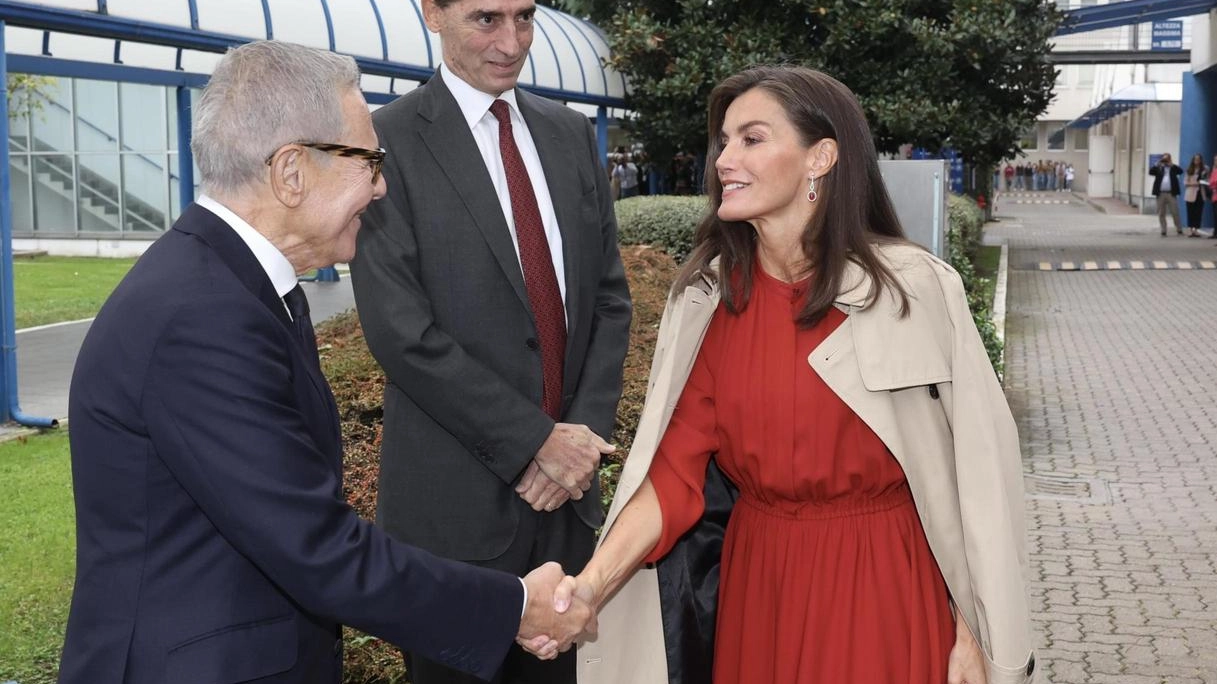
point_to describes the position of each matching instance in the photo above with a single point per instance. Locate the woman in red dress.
(837, 380)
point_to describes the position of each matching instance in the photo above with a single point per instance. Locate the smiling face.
(485, 41)
(764, 163)
(343, 188)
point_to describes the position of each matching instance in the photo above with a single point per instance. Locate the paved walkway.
(45, 356)
(1111, 375)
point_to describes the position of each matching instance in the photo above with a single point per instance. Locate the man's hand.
(570, 456)
(542, 493)
(544, 631)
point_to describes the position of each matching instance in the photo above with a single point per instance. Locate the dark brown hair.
(1196, 165)
(854, 214)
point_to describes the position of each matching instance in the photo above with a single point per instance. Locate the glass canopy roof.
(387, 37)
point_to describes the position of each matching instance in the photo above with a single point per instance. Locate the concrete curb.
(1091, 203)
(13, 431)
(998, 315)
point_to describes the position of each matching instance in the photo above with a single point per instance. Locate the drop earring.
(811, 189)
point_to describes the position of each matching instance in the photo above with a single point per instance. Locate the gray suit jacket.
(441, 297)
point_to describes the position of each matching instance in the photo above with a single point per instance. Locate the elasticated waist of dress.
(841, 507)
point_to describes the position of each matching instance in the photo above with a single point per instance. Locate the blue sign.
(1166, 35)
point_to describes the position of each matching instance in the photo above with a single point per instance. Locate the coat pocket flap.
(235, 654)
(891, 361)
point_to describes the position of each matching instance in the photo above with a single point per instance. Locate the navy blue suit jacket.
(214, 544)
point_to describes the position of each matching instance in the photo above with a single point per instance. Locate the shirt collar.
(474, 103)
(280, 271)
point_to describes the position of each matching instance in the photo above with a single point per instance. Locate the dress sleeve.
(678, 471)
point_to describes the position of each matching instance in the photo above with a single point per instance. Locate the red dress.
(826, 574)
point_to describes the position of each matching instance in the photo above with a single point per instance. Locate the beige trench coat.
(959, 451)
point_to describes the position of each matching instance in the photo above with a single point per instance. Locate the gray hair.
(261, 96)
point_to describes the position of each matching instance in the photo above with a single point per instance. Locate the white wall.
(82, 247)
(1204, 42)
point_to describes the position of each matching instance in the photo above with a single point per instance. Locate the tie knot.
(297, 303)
(499, 109)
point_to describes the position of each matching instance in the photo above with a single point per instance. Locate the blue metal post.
(185, 157)
(9, 407)
(1196, 133)
(602, 133)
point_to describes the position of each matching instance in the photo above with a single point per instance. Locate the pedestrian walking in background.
(1166, 189)
(1193, 193)
(1069, 174)
(1008, 172)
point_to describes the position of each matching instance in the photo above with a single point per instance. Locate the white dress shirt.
(475, 106)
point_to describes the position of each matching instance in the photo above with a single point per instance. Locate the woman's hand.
(966, 664)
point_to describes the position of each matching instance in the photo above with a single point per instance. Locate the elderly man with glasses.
(214, 542)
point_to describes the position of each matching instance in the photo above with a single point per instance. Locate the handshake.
(560, 610)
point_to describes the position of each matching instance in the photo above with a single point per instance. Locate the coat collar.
(856, 284)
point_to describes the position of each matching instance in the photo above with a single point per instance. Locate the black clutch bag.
(688, 586)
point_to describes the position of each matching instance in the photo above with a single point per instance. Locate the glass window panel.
(98, 193)
(171, 118)
(51, 122)
(175, 189)
(1081, 139)
(19, 184)
(96, 116)
(1056, 139)
(1028, 141)
(18, 120)
(142, 117)
(144, 192)
(54, 194)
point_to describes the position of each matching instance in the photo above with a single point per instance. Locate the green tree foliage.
(24, 92)
(966, 74)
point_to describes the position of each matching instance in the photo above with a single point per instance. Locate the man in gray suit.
(492, 293)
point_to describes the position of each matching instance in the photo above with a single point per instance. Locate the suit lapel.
(233, 251)
(456, 153)
(565, 191)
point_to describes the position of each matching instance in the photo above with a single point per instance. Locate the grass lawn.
(987, 262)
(37, 556)
(53, 289)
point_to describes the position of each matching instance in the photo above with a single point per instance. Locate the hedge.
(965, 223)
(665, 221)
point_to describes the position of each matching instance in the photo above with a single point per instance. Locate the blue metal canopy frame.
(1130, 12)
(1125, 99)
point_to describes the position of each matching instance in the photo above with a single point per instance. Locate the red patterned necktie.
(543, 294)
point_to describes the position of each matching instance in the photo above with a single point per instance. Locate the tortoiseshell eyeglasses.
(375, 158)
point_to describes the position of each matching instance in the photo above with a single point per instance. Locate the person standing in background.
(1193, 193)
(1166, 189)
(491, 291)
